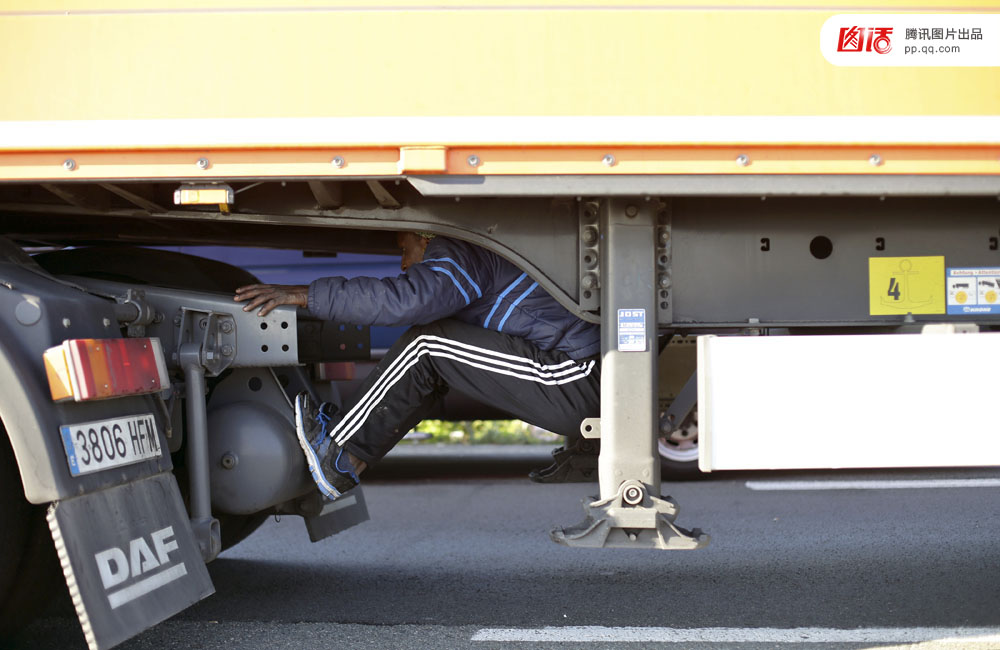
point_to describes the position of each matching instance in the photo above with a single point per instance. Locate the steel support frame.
(628, 375)
(630, 511)
(199, 337)
(535, 234)
(205, 527)
(800, 262)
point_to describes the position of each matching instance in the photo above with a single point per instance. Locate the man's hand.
(269, 296)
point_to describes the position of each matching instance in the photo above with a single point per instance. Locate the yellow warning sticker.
(902, 285)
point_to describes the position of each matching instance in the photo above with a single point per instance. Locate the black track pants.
(547, 389)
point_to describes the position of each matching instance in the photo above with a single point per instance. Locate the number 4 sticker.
(893, 289)
(901, 285)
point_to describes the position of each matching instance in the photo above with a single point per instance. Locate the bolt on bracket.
(144, 313)
(207, 336)
(630, 519)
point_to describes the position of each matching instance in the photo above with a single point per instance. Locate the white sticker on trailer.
(631, 330)
(973, 290)
(95, 446)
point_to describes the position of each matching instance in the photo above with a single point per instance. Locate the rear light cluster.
(89, 369)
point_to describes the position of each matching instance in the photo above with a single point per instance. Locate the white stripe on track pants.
(544, 388)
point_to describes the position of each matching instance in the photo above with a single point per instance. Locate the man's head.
(412, 246)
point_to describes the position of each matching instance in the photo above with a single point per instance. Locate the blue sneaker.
(332, 475)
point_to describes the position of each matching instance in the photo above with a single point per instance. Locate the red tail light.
(88, 369)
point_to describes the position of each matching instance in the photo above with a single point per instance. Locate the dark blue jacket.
(461, 281)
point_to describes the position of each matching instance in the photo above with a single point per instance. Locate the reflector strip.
(57, 370)
(88, 369)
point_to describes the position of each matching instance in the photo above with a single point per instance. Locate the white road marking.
(598, 634)
(873, 485)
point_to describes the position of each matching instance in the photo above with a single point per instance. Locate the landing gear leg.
(630, 512)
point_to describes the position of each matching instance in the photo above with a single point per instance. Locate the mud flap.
(333, 517)
(129, 558)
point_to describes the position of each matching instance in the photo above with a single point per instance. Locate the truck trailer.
(785, 219)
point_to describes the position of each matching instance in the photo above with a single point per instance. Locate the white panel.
(527, 130)
(804, 402)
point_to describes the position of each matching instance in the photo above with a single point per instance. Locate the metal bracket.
(209, 356)
(255, 341)
(217, 333)
(681, 408)
(630, 519)
(205, 527)
(664, 260)
(591, 428)
(145, 314)
(590, 257)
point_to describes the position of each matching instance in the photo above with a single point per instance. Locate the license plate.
(95, 446)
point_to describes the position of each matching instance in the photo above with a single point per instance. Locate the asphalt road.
(460, 561)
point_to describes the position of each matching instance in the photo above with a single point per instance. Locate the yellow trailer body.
(340, 88)
(660, 167)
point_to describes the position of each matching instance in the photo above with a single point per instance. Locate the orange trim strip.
(688, 159)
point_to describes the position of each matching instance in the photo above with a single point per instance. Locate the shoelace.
(324, 421)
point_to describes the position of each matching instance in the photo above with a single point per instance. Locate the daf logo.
(145, 558)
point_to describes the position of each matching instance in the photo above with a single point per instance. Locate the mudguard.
(122, 534)
(129, 558)
(39, 312)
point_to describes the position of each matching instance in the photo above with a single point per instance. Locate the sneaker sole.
(312, 460)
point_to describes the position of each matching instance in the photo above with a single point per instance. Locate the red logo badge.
(865, 39)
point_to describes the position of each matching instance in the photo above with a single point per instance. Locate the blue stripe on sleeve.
(516, 302)
(460, 270)
(510, 288)
(454, 280)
